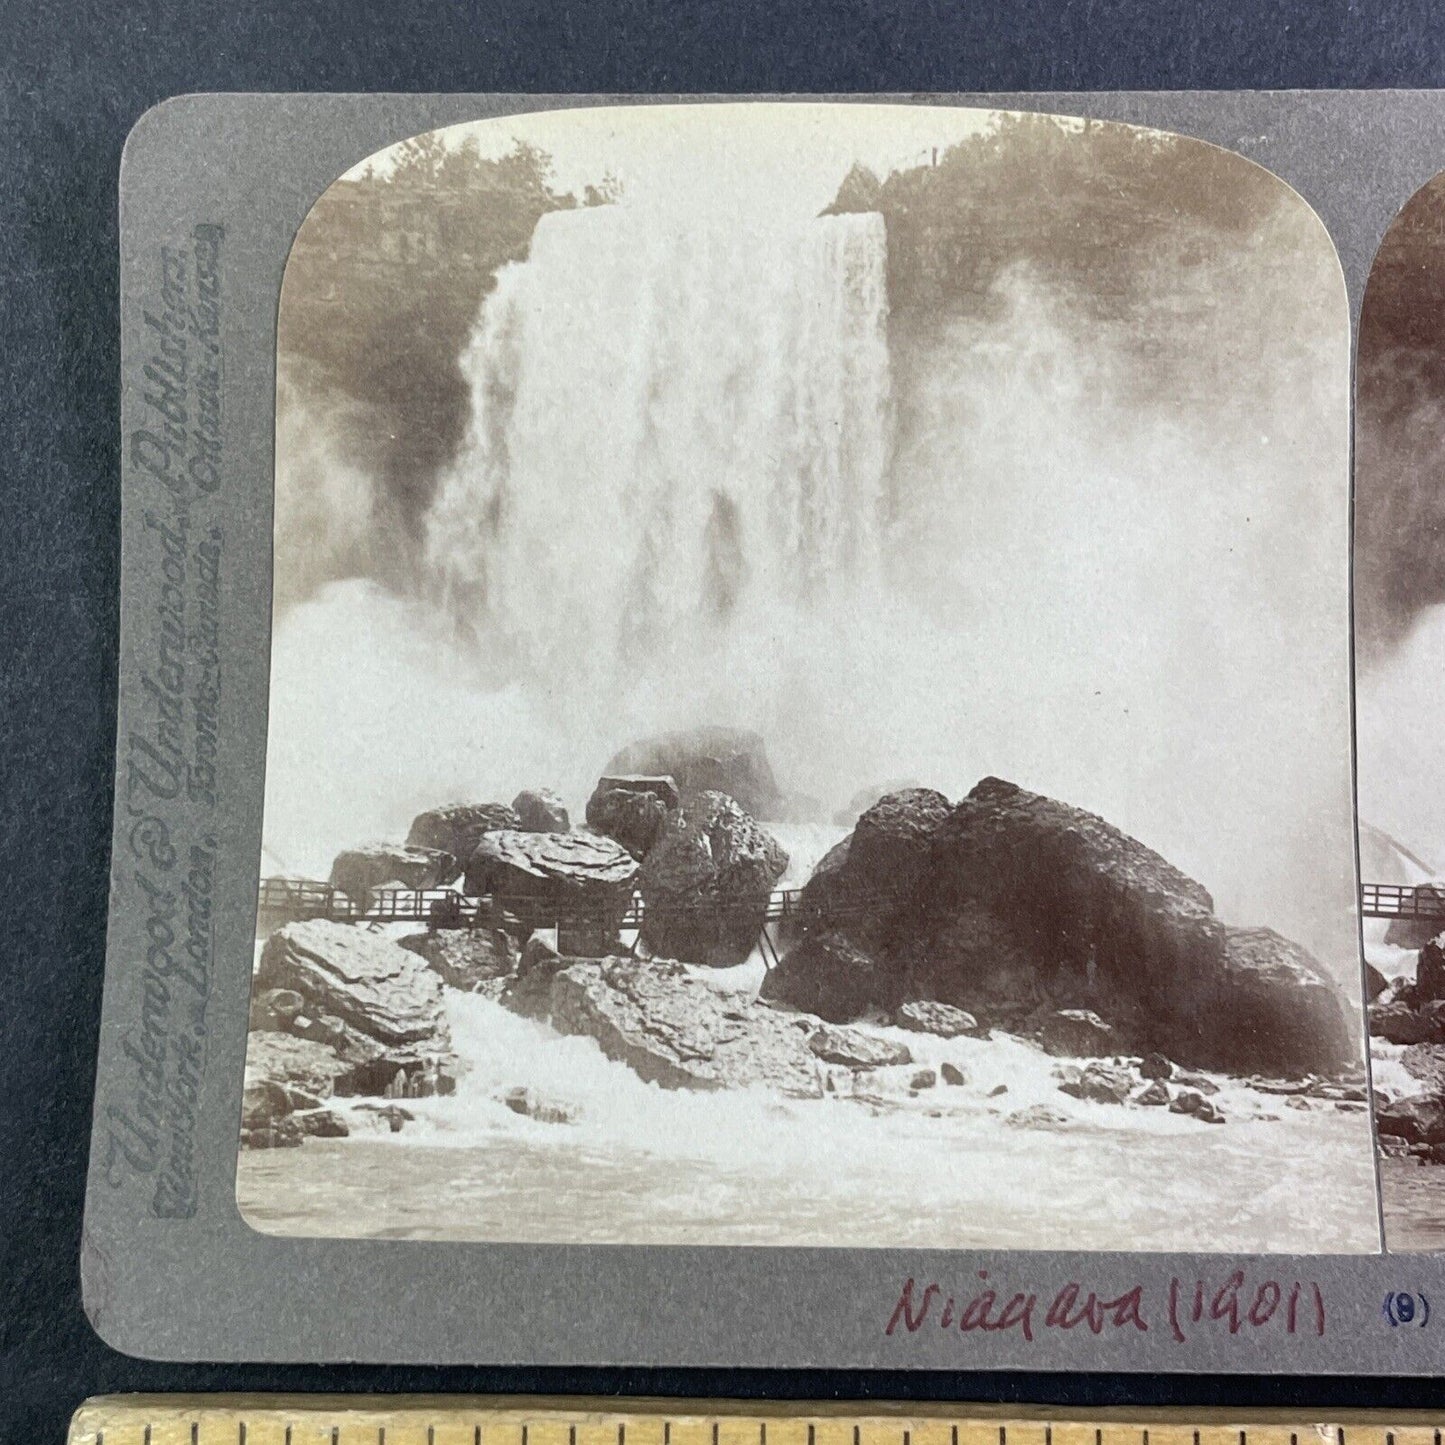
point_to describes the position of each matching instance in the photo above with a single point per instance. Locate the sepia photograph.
(810, 696)
(1400, 649)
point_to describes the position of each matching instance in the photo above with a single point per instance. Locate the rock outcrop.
(672, 1028)
(632, 809)
(928, 1017)
(581, 882)
(358, 872)
(856, 1050)
(466, 958)
(709, 760)
(864, 799)
(842, 966)
(372, 1006)
(1076, 1033)
(457, 828)
(829, 975)
(1415, 932)
(539, 810)
(1270, 1005)
(706, 882)
(1021, 909)
(1412, 1011)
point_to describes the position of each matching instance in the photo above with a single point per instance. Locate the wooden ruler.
(441, 1420)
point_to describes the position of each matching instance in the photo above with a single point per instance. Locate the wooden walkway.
(1398, 900)
(291, 900)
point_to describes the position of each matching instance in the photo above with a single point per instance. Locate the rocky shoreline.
(1006, 913)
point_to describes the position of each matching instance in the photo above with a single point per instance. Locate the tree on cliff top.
(383, 286)
(1085, 203)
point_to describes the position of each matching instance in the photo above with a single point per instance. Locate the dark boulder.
(827, 975)
(322, 1124)
(952, 1074)
(1270, 1005)
(457, 828)
(706, 883)
(539, 810)
(372, 1020)
(1430, 970)
(1093, 919)
(892, 844)
(864, 799)
(1077, 1033)
(822, 902)
(1398, 1023)
(1426, 1062)
(709, 760)
(853, 899)
(632, 810)
(1106, 922)
(1418, 1119)
(1155, 1066)
(359, 872)
(861, 883)
(1375, 983)
(1154, 1093)
(1417, 932)
(580, 882)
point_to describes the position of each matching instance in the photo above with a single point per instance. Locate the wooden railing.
(295, 900)
(1399, 900)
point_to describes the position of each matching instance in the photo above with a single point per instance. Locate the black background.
(73, 79)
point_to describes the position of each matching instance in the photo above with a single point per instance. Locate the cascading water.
(670, 430)
(676, 470)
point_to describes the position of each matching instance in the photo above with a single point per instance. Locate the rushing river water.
(951, 1167)
(639, 1164)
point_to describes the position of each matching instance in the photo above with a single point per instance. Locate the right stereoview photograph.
(1400, 660)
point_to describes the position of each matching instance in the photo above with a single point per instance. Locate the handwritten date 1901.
(1235, 1304)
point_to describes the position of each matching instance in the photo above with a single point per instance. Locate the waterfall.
(677, 432)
